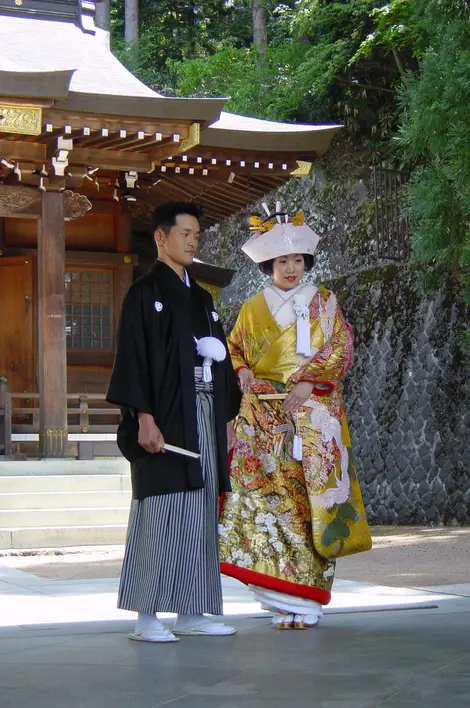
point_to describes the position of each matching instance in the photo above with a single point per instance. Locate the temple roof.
(98, 82)
(69, 109)
(243, 133)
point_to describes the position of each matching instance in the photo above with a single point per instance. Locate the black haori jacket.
(154, 373)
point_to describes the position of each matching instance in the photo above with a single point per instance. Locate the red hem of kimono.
(251, 577)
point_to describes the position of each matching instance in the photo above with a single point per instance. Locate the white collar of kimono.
(292, 306)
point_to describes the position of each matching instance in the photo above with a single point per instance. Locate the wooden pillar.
(123, 276)
(51, 327)
(123, 232)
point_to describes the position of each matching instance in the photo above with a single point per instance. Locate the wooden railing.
(392, 226)
(91, 420)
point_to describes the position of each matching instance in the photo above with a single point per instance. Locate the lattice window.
(391, 225)
(88, 308)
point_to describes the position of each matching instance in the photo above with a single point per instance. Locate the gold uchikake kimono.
(286, 521)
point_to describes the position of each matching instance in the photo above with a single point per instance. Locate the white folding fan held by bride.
(211, 349)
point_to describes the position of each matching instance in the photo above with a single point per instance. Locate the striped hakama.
(171, 562)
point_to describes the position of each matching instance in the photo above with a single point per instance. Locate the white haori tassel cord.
(211, 349)
(302, 312)
(297, 446)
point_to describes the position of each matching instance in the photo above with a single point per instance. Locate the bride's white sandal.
(305, 621)
(283, 621)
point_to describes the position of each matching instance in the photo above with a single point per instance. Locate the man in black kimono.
(175, 384)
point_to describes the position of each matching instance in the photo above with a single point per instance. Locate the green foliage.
(257, 86)
(171, 32)
(396, 27)
(312, 70)
(434, 136)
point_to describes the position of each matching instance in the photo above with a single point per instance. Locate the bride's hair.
(266, 267)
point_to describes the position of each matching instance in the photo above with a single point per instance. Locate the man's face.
(180, 244)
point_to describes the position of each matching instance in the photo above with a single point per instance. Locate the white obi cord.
(210, 349)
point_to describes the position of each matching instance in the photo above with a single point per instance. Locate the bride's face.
(288, 271)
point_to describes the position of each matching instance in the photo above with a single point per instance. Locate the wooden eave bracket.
(193, 139)
(177, 147)
(60, 156)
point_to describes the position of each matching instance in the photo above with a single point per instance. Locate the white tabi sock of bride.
(148, 622)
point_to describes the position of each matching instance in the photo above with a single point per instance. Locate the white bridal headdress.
(279, 234)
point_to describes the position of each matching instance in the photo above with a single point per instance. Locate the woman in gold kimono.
(296, 503)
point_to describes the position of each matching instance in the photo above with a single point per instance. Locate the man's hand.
(299, 394)
(231, 436)
(150, 437)
(246, 378)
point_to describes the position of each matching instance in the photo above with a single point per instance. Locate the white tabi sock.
(190, 621)
(148, 622)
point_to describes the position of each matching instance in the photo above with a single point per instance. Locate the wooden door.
(16, 323)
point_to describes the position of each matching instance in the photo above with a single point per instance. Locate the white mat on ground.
(26, 599)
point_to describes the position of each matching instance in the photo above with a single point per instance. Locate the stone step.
(62, 537)
(28, 484)
(64, 500)
(35, 468)
(39, 518)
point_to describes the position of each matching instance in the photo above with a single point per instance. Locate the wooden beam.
(224, 173)
(105, 206)
(20, 150)
(78, 121)
(91, 258)
(51, 320)
(110, 159)
(80, 258)
(211, 193)
(236, 155)
(163, 152)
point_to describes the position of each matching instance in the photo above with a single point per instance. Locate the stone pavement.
(64, 645)
(412, 556)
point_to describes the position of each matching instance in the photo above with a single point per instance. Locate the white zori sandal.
(283, 621)
(148, 628)
(203, 627)
(305, 621)
(162, 636)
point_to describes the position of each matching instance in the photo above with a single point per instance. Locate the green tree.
(178, 31)
(320, 65)
(434, 138)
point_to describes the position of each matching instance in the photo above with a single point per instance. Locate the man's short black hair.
(267, 266)
(164, 216)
